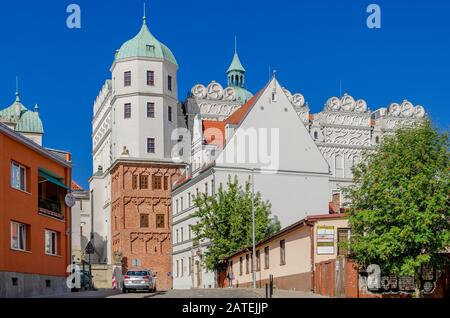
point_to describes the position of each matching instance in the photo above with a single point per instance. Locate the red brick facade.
(141, 217)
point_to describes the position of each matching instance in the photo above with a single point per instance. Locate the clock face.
(407, 109)
(394, 109)
(334, 103)
(347, 103)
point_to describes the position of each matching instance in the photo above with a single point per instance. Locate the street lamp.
(253, 230)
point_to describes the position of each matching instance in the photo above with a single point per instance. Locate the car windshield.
(138, 273)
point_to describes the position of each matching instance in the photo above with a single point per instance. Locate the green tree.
(399, 210)
(225, 219)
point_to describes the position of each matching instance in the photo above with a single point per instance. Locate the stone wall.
(20, 285)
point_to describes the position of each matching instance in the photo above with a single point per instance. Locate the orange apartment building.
(34, 220)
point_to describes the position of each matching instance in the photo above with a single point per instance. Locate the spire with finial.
(236, 72)
(144, 18)
(36, 109)
(17, 90)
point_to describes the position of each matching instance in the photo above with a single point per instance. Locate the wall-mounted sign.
(325, 240)
(70, 200)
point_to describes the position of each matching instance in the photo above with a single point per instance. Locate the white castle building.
(307, 159)
(316, 154)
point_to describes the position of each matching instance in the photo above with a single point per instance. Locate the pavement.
(226, 293)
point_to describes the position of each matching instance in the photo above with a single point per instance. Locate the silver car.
(142, 279)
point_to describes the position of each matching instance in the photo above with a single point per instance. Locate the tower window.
(170, 113)
(127, 78)
(144, 182)
(144, 221)
(160, 221)
(316, 135)
(127, 111)
(169, 83)
(151, 145)
(157, 183)
(150, 78)
(150, 110)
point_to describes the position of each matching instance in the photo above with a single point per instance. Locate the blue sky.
(312, 44)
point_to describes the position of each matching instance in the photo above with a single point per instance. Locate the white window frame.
(19, 186)
(49, 234)
(24, 233)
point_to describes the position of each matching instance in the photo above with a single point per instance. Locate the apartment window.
(169, 83)
(182, 204)
(169, 113)
(258, 261)
(182, 235)
(18, 176)
(212, 187)
(206, 188)
(144, 221)
(134, 182)
(282, 252)
(247, 263)
(177, 206)
(241, 265)
(150, 110)
(157, 180)
(151, 145)
(178, 268)
(160, 221)
(18, 236)
(127, 79)
(144, 182)
(150, 78)
(178, 236)
(190, 232)
(190, 266)
(343, 242)
(51, 239)
(166, 183)
(127, 111)
(266, 257)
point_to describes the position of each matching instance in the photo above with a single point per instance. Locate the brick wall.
(143, 244)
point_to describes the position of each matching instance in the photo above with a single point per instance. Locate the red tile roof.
(214, 132)
(237, 117)
(76, 186)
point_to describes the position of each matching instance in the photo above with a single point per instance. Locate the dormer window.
(274, 96)
(150, 49)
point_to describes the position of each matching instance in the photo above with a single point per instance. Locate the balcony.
(52, 192)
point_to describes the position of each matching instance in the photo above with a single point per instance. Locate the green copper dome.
(236, 79)
(242, 94)
(26, 121)
(144, 44)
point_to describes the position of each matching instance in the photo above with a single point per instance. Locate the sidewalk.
(279, 293)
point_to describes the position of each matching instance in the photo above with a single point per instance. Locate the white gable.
(272, 137)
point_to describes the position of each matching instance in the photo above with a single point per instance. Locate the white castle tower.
(135, 115)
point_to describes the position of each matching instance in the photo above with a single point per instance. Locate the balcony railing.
(50, 207)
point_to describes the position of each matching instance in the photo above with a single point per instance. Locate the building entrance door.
(199, 273)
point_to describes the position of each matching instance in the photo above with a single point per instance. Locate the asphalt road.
(191, 293)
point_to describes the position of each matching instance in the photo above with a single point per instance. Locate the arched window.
(377, 139)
